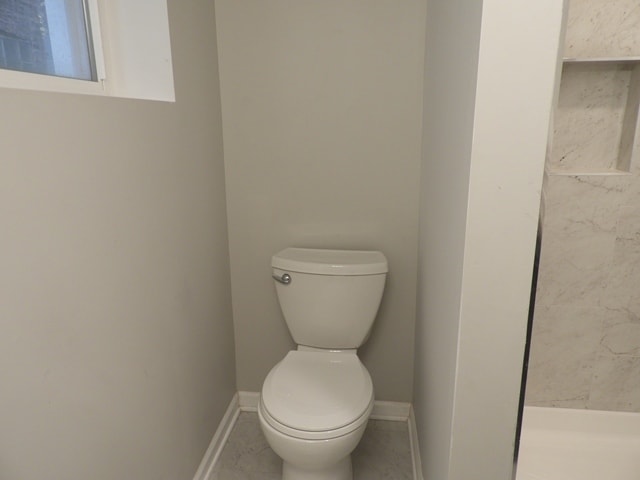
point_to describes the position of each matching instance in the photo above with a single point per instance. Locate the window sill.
(47, 83)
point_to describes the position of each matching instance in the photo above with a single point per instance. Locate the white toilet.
(316, 402)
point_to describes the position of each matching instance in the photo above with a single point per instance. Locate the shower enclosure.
(582, 402)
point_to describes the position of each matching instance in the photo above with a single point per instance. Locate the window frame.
(94, 33)
(51, 83)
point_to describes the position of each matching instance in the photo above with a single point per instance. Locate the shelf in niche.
(601, 60)
(585, 173)
(596, 117)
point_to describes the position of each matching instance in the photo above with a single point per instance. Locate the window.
(49, 37)
(118, 48)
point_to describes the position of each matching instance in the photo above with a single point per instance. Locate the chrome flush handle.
(284, 279)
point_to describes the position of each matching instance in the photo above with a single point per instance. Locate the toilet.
(316, 401)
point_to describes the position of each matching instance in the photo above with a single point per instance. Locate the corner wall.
(453, 32)
(116, 349)
(489, 82)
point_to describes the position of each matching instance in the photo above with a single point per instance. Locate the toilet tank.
(332, 297)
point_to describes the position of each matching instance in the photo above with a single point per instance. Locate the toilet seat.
(317, 395)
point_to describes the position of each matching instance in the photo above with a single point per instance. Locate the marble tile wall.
(603, 28)
(585, 351)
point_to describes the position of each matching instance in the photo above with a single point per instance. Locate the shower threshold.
(568, 444)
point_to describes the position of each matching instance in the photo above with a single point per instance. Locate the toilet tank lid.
(330, 262)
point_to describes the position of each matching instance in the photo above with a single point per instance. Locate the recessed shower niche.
(596, 117)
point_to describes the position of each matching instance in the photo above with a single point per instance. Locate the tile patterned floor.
(383, 454)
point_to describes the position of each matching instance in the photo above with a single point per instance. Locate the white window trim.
(96, 38)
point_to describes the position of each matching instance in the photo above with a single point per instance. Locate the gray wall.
(116, 350)
(322, 113)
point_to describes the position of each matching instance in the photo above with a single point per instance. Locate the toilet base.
(340, 471)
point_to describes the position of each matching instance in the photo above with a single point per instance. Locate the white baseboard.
(415, 448)
(392, 411)
(205, 470)
(248, 402)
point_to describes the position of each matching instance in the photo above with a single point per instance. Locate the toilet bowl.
(313, 411)
(316, 402)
